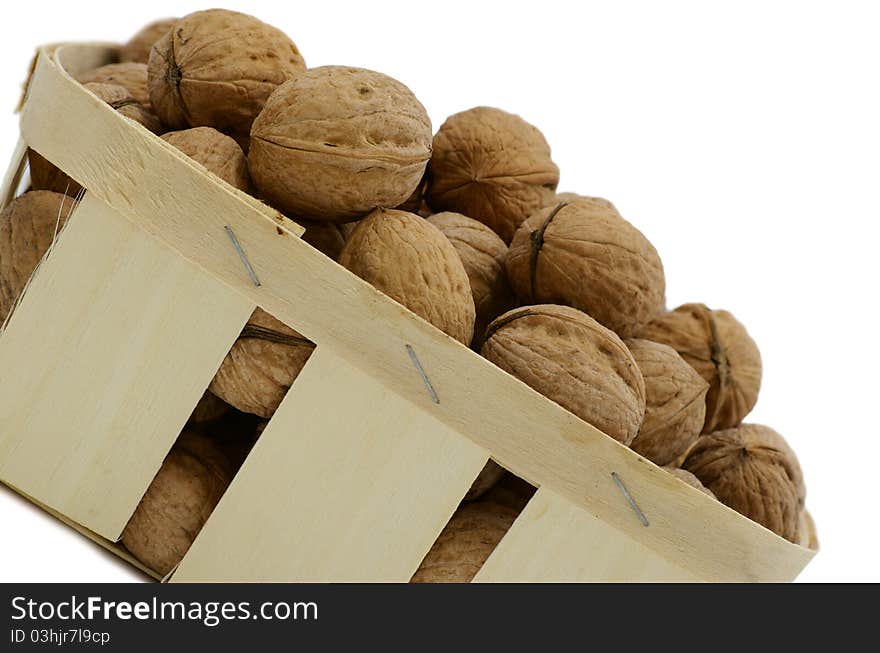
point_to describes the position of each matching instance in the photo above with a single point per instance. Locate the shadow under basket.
(128, 318)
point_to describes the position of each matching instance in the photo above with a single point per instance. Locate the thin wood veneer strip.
(101, 364)
(555, 541)
(348, 483)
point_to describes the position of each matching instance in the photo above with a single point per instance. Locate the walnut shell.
(466, 543)
(120, 99)
(690, 479)
(177, 504)
(584, 254)
(130, 76)
(511, 491)
(326, 237)
(491, 473)
(236, 451)
(336, 142)
(482, 253)
(807, 535)
(675, 402)
(138, 48)
(206, 450)
(219, 153)
(347, 229)
(233, 434)
(415, 203)
(210, 408)
(720, 349)
(492, 166)
(573, 360)
(752, 469)
(261, 366)
(216, 68)
(412, 262)
(244, 142)
(47, 176)
(27, 228)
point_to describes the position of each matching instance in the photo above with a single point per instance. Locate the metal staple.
(631, 501)
(425, 379)
(242, 255)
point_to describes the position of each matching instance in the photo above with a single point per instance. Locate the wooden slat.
(12, 178)
(110, 162)
(536, 439)
(98, 54)
(101, 364)
(347, 483)
(554, 540)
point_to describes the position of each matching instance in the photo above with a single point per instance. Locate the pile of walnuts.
(465, 228)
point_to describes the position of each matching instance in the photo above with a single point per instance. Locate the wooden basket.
(130, 315)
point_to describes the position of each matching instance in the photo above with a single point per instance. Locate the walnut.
(466, 543)
(206, 450)
(752, 469)
(138, 48)
(347, 229)
(511, 491)
(219, 153)
(415, 203)
(216, 68)
(121, 100)
(233, 434)
(412, 262)
(584, 254)
(482, 252)
(209, 409)
(27, 228)
(491, 473)
(570, 358)
(130, 76)
(326, 237)
(262, 365)
(690, 479)
(336, 142)
(244, 141)
(177, 504)
(720, 349)
(676, 402)
(47, 176)
(492, 166)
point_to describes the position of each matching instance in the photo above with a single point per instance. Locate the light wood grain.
(555, 541)
(101, 364)
(13, 174)
(84, 60)
(153, 186)
(132, 179)
(348, 483)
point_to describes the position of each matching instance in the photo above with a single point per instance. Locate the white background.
(744, 141)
